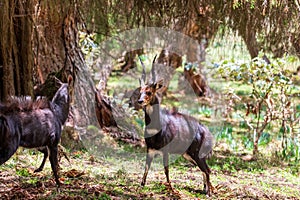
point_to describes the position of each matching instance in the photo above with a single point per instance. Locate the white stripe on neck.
(149, 109)
(152, 131)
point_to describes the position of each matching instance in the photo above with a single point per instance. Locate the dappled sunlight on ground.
(87, 177)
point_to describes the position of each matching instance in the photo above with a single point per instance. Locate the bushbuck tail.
(172, 132)
(34, 124)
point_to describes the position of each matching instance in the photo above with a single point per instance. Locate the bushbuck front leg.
(166, 166)
(149, 159)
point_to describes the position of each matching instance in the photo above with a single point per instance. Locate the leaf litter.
(100, 179)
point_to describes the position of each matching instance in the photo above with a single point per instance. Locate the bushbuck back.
(173, 132)
(34, 124)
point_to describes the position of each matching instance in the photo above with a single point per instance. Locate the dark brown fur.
(23, 104)
(34, 124)
(175, 133)
(197, 82)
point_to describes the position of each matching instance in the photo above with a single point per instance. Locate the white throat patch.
(149, 109)
(152, 131)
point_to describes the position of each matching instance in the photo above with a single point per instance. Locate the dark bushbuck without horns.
(172, 132)
(34, 124)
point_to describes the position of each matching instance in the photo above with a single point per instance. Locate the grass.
(118, 171)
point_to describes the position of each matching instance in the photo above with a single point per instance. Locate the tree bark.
(6, 49)
(26, 54)
(16, 57)
(249, 37)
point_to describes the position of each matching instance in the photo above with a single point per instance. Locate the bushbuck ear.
(143, 78)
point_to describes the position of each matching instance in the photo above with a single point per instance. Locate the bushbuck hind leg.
(206, 171)
(44, 150)
(54, 162)
(149, 159)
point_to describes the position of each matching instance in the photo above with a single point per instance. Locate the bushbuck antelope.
(196, 81)
(34, 124)
(172, 132)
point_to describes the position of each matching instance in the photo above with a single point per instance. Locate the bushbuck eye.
(148, 93)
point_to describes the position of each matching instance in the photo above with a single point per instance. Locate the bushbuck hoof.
(58, 183)
(208, 194)
(38, 170)
(207, 191)
(168, 186)
(143, 183)
(58, 189)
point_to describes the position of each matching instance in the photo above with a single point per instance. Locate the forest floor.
(116, 173)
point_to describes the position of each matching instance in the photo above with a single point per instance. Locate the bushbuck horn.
(153, 70)
(143, 78)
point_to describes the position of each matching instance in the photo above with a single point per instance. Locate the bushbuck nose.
(140, 101)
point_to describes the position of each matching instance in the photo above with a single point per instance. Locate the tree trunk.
(16, 56)
(249, 38)
(49, 40)
(255, 145)
(6, 50)
(296, 45)
(40, 38)
(24, 81)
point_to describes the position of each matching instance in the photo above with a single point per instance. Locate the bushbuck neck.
(61, 101)
(151, 107)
